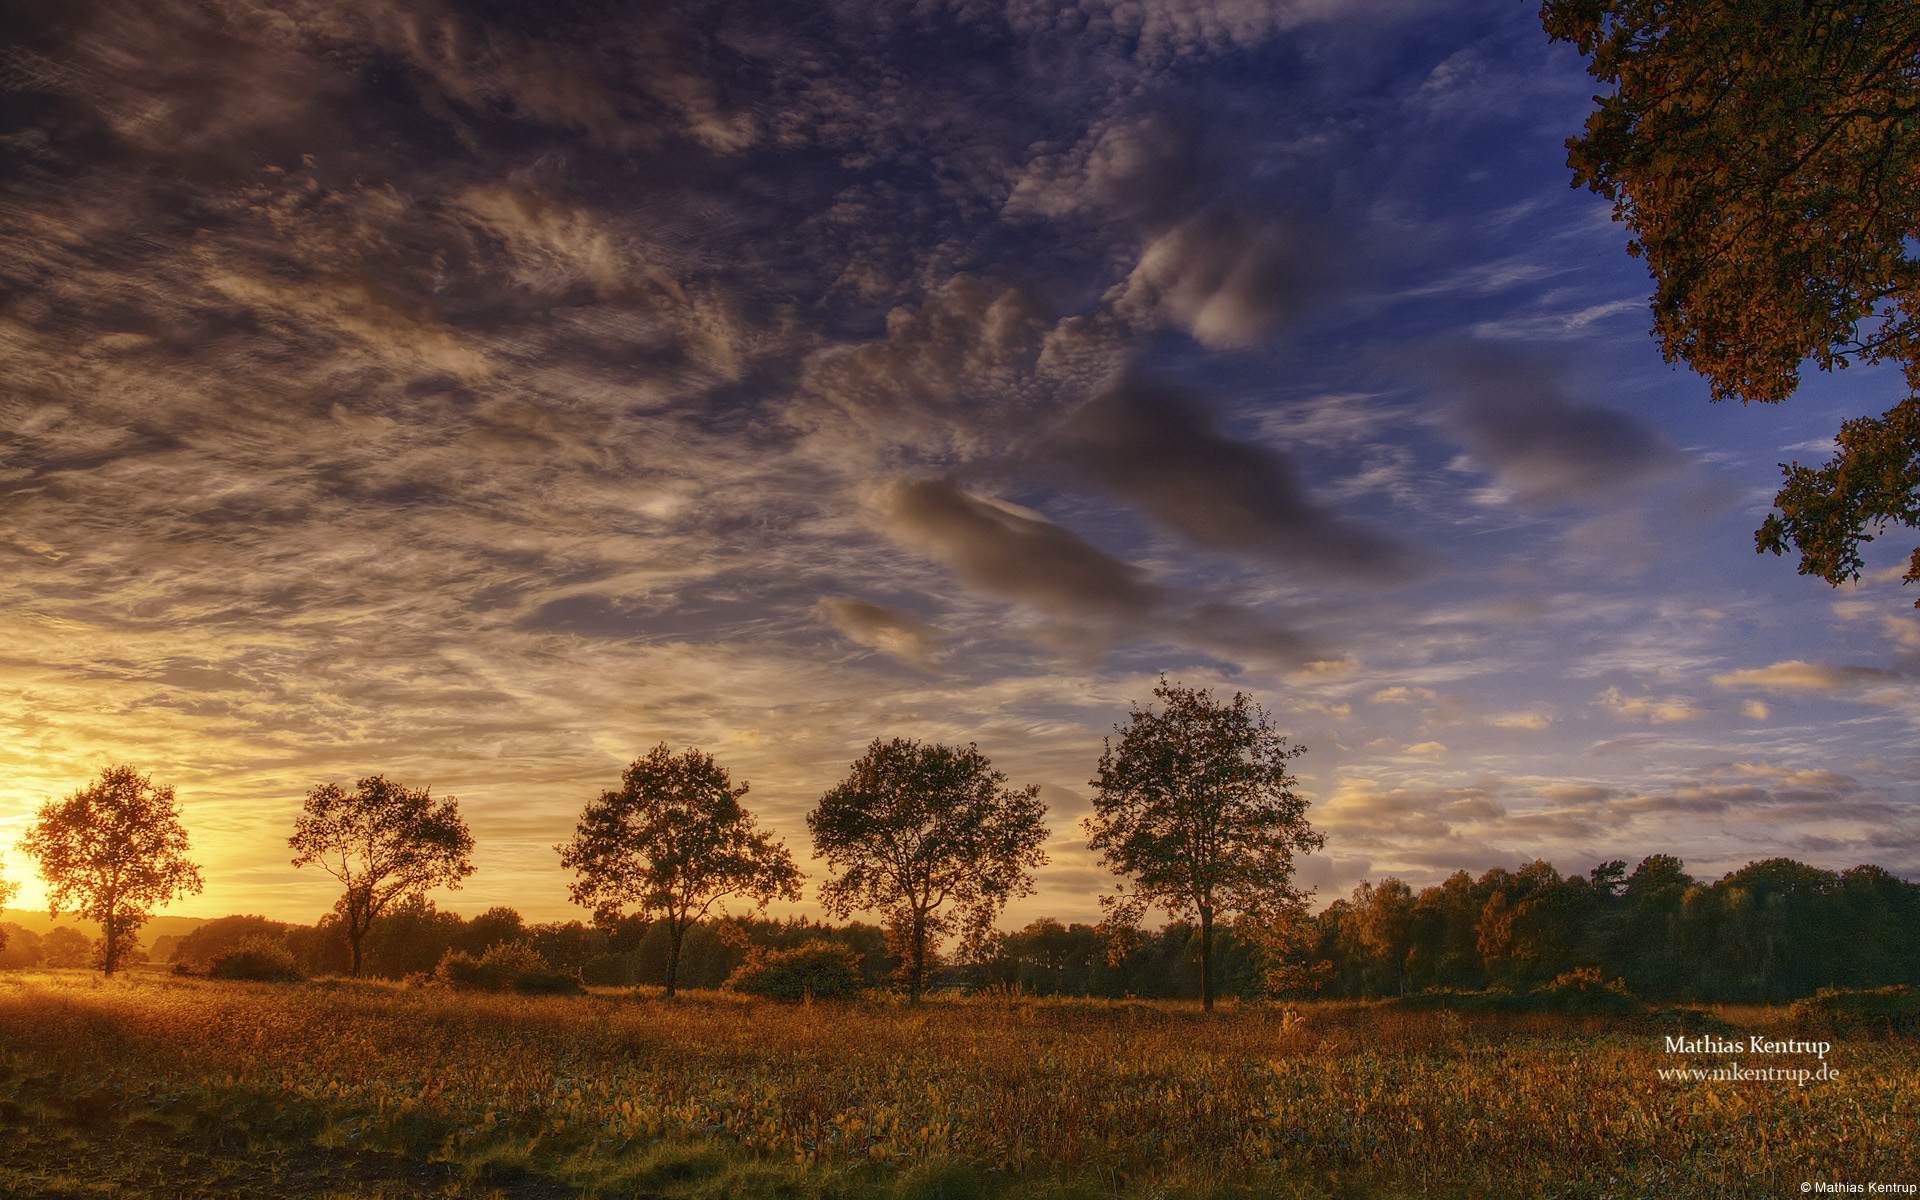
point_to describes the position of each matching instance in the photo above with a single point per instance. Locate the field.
(154, 1085)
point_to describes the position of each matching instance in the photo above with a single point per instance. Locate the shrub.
(261, 959)
(608, 970)
(1581, 991)
(199, 949)
(515, 965)
(818, 969)
(1859, 1011)
(547, 983)
(458, 969)
(1584, 991)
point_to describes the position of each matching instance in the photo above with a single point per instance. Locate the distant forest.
(1771, 932)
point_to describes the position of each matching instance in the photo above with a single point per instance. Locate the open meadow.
(151, 1084)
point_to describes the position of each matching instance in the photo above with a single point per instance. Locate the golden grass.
(1113, 1095)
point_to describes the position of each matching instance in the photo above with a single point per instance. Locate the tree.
(113, 852)
(65, 946)
(491, 928)
(383, 841)
(1385, 913)
(7, 892)
(1765, 155)
(1196, 806)
(675, 841)
(411, 938)
(23, 948)
(916, 826)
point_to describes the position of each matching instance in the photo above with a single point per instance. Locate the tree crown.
(1764, 154)
(1196, 807)
(112, 852)
(674, 838)
(916, 825)
(383, 841)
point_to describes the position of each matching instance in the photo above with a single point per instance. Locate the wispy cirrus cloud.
(485, 394)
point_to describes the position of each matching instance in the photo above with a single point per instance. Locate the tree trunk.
(353, 939)
(1206, 958)
(916, 969)
(675, 933)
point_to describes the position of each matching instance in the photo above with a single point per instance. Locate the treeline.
(929, 837)
(61, 946)
(416, 936)
(1772, 931)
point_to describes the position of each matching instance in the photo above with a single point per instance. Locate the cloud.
(1902, 631)
(1522, 720)
(892, 633)
(1763, 794)
(1439, 709)
(1144, 170)
(1237, 634)
(1401, 694)
(1362, 813)
(484, 393)
(1226, 278)
(1651, 709)
(1014, 552)
(1794, 675)
(1448, 824)
(953, 375)
(1151, 447)
(1575, 793)
(1545, 450)
(1795, 777)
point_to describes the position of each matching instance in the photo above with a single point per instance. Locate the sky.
(483, 394)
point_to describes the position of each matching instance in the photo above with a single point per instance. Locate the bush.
(819, 969)
(607, 970)
(547, 983)
(261, 959)
(458, 969)
(515, 965)
(199, 949)
(1861, 1012)
(1581, 991)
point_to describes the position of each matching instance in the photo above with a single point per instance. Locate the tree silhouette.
(383, 841)
(112, 852)
(1195, 806)
(7, 892)
(491, 928)
(915, 826)
(674, 840)
(1763, 153)
(65, 946)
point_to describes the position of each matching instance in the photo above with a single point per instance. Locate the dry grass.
(617, 1094)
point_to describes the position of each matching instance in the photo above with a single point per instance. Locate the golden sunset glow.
(482, 400)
